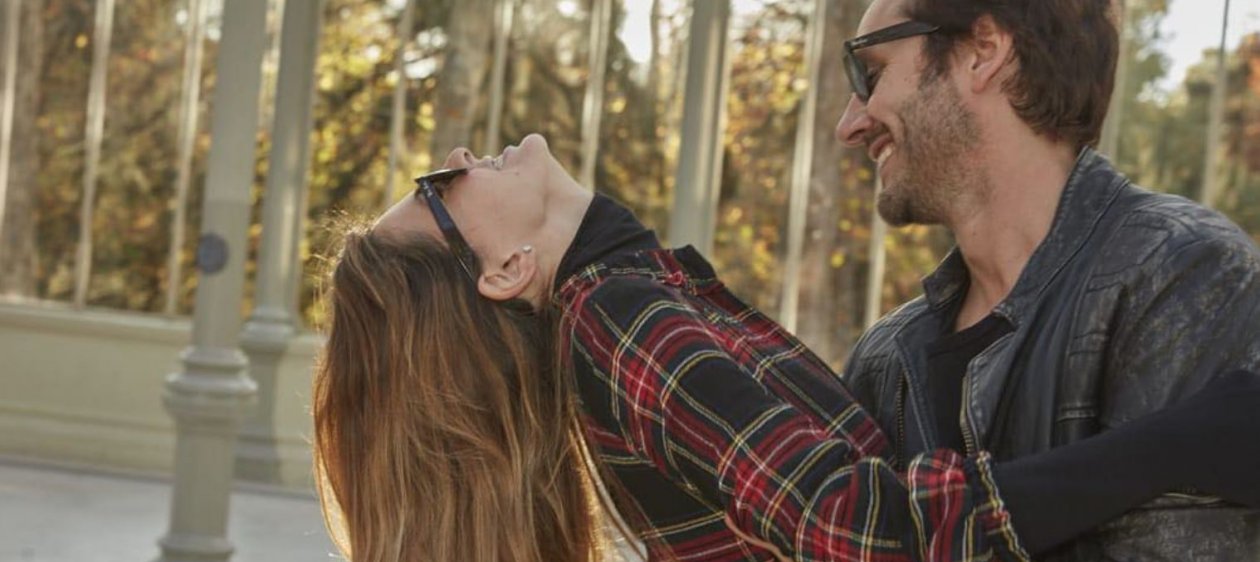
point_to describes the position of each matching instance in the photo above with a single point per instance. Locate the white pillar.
(593, 102)
(272, 325)
(1109, 142)
(93, 137)
(504, 20)
(1216, 114)
(875, 276)
(699, 174)
(398, 111)
(190, 93)
(13, 11)
(211, 396)
(802, 165)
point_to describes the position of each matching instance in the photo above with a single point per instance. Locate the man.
(1075, 301)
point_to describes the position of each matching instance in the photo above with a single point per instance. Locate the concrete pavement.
(61, 514)
(53, 514)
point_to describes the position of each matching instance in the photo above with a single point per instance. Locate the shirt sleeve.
(679, 400)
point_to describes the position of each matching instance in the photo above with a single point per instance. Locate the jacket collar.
(1091, 188)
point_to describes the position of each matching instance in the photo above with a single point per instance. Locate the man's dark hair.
(1066, 49)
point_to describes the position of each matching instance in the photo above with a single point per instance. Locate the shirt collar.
(608, 230)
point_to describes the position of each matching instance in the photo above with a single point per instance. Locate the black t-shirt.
(948, 358)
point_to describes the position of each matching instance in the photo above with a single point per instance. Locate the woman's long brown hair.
(443, 428)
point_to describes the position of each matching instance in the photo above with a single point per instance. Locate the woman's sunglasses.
(431, 187)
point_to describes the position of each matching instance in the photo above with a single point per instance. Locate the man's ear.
(510, 277)
(988, 53)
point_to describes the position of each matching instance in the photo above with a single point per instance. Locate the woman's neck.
(566, 208)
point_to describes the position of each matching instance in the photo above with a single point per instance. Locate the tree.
(18, 257)
(464, 67)
(642, 114)
(833, 267)
(763, 107)
(1241, 193)
(60, 119)
(137, 171)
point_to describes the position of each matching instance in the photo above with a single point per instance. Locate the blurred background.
(712, 119)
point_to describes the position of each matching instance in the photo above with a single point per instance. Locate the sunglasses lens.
(857, 76)
(441, 180)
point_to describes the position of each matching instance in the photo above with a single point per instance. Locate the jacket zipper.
(901, 424)
(969, 442)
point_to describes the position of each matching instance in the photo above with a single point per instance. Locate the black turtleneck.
(608, 229)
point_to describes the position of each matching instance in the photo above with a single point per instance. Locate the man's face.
(914, 127)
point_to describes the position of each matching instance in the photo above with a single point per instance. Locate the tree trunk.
(830, 310)
(18, 256)
(459, 88)
(653, 85)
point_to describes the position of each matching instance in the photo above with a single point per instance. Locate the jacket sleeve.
(679, 400)
(1189, 312)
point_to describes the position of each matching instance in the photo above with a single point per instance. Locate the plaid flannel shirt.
(702, 410)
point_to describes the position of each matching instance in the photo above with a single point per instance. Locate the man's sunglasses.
(856, 69)
(430, 187)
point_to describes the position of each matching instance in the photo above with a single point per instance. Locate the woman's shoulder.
(644, 273)
(621, 291)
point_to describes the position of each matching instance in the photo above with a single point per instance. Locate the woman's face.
(497, 206)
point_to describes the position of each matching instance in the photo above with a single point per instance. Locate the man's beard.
(938, 134)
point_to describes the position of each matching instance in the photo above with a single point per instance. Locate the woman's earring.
(528, 249)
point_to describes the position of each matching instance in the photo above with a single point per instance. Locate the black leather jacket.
(1133, 301)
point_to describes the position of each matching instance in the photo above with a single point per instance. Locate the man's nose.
(854, 124)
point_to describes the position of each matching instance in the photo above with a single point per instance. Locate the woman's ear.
(510, 278)
(990, 49)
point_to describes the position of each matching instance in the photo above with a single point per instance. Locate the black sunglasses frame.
(430, 187)
(856, 69)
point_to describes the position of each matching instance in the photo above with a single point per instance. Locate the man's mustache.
(870, 136)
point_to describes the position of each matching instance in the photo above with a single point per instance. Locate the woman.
(469, 368)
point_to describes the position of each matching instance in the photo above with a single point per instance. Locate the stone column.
(210, 397)
(593, 102)
(12, 13)
(704, 118)
(398, 111)
(93, 138)
(1216, 116)
(271, 325)
(189, 96)
(1109, 143)
(879, 255)
(802, 166)
(503, 22)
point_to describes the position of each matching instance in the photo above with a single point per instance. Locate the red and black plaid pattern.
(704, 411)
